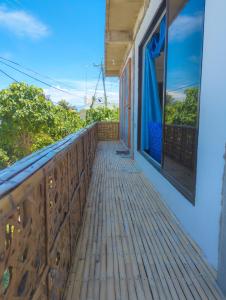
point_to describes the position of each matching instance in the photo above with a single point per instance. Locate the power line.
(34, 78)
(59, 82)
(45, 76)
(9, 76)
(15, 80)
(22, 66)
(6, 74)
(13, 62)
(183, 87)
(32, 70)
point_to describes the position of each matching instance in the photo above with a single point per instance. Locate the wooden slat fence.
(108, 131)
(42, 199)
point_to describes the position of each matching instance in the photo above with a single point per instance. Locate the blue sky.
(185, 48)
(61, 39)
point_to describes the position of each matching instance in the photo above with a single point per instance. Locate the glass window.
(184, 59)
(169, 89)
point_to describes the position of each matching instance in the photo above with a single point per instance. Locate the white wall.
(201, 221)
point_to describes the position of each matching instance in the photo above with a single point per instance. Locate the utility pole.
(103, 78)
(101, 66)
(93, 101)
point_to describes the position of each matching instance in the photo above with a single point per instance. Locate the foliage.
(183, 112)
(29, 121)
(41, 140)
(65, 122)
(102, 113)
(4, 159)
(66, 105)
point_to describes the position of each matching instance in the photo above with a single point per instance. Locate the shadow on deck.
(130, 246)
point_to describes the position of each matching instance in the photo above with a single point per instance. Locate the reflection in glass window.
(152, 93)
(184, 58)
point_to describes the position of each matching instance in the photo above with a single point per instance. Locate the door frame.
(126, 104)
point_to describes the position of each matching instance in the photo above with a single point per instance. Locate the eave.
(122, 22)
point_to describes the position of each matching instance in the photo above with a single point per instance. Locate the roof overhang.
(122, 22)
(123, 19)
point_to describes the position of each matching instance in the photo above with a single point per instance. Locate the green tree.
(30, 121)
(65, 122)
(4, 159)
(183, 112)
(24, 112)
(41, 140)
(66, 105)
(102, 113)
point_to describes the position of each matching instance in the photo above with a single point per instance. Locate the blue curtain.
(151, 107)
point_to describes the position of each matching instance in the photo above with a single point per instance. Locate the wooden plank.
(130, 245)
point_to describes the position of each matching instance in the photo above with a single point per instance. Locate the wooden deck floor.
(130, 246)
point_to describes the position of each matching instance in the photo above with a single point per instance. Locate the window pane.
(184, 58)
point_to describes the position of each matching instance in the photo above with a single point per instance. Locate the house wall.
(202, 220)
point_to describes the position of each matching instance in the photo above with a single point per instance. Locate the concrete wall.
(202, 220)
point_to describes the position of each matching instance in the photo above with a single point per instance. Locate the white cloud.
(77, 92)
(177, 95)
(184, 26)
(22, 24)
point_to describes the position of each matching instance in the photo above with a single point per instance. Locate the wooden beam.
(112, 73)
(118, 37)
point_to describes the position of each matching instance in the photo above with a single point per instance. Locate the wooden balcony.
(67, 234)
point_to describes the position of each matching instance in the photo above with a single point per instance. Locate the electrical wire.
(9, 76)
(34, 78)
(183, 87)
(33, 71)
(39, 74)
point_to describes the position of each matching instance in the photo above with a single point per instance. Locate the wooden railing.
(42, 199)
(108, 131)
